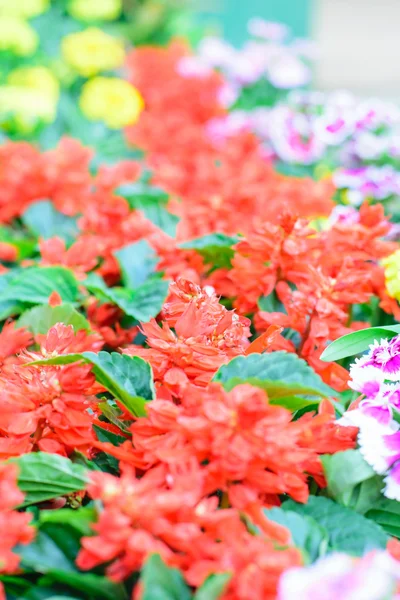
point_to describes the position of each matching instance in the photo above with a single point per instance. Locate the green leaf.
(9, 306)
(348, 531)
(152, 202)
(44, 476)
(281, 374)
(386, 513)
(41, 318)
(143, 303)
(53, 554)
(128, 378)
(160, 582)
(24, 245)
(46, 222)
(358, 341)
(351, 481)
(35, 284)
(213, 587)
(216, 248)
(138, 262)
(307, 534)
(81, 520)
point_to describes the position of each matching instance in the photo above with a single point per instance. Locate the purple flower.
(383, 356)
(392, 481)
(341, 577)
(287, 71)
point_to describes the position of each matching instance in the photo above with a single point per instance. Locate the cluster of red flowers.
(200, 466)
(14, 526)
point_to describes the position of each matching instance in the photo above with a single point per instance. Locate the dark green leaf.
(152, 202)
(213, 587)
(53, 553)
(9, 306)
(35, 284)
(357, 342)
(348, 531)
(160, 582)
(351, 481)
(43, 476)
(307, 534)
(216, 248)
(46, 222)
(142, 304)
(281, 374)
(41, 318)
(80, 519)
(128, 378)
(386, 513)
(137, 261)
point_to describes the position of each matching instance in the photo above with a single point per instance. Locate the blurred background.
(357, 40)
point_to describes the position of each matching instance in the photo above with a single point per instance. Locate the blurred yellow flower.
(17, 36)
(26, 9)
(90, 51)
(111, 100)
(95, 10)
(392, 274)
(36, 78)
(25, 107)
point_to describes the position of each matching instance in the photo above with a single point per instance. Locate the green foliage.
(351, 481)
(152, 202)
(127, 378)
(307, 534)
(289, 381)
(138, 262)
(44, 221)
(357, 342)
(142, 303)
(41, 318)
(34, 285)
(215, 248)
(347, 530)
(44, 476)
(161, 582)
(386, 513)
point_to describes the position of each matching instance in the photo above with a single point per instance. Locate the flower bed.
(192, 249)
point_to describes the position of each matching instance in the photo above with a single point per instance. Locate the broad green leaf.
(160, 582)
(35, 284)
(46, 222)
(281, 374)
(152, 202)
(216, 248)
(81, 520)
(351, 480)
(9, 306)
(137, 261)
(357, 342)
(44, 476)
(348, 531)
(24, 245)
(142, 303)
(213, 587)
(127, 378)
(53, 554)
(386, 513)
(41, 318)
(307, 534)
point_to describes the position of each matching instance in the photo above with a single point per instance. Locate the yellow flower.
(26, 9)
(392, 274)
(17, 36)
(91, 51)
(111, 100)
(35, 78)
(95, 10)
(26, 107)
